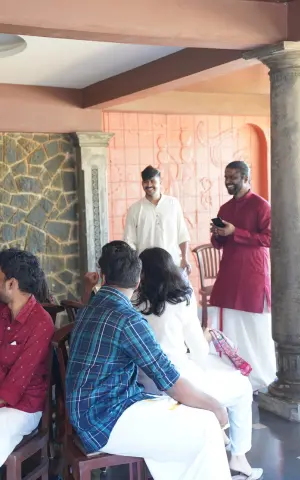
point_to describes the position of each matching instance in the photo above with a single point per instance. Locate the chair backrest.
(71, 308)
(47, 413)
(208, 259)
(53, 310)
(60, 343)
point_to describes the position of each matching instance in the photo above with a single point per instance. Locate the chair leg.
(84, 473)
(141, 470)
(13, 469)
(60, 415)
(133, 471)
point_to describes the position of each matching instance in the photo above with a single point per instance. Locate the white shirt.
(160, 225)
(177, 329)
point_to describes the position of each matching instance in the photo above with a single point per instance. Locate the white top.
(178, 328)
(160, 225)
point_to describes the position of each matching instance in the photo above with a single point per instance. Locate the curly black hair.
(24, 267)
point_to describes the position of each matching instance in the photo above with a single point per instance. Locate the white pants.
(177, 442)
(252, 334)
(227, 385)
(14, 424)
(222, 381)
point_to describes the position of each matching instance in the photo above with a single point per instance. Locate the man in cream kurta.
(157, 221)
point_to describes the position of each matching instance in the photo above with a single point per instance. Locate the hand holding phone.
(218, 222)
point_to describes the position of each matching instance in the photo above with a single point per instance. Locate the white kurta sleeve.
(182, 231)
(130, 232)
(193, 334)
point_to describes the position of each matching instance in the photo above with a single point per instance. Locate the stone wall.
(38, 205)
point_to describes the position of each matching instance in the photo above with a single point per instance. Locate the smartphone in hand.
(218, 222)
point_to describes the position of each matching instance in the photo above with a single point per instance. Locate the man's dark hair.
(162, 282)
(243, 167)
(24, 267)
(120, 264)
(150, 172)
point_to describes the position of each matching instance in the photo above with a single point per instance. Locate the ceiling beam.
(188, 23)
(177, 70)
(293, 21)
(45, 110)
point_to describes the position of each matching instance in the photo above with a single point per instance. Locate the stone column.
(93, 197)
(283, 61)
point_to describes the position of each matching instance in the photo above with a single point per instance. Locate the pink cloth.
(223, 346)
(243, 280)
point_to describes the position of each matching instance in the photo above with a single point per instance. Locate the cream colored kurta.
(163, 226)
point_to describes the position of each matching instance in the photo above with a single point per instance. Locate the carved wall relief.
(191, 151)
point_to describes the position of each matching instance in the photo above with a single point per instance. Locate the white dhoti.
(252, 334)
(177, 442)
(14, 424)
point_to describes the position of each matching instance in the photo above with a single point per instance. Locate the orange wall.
(191, 151)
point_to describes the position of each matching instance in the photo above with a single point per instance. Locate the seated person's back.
(102, 375)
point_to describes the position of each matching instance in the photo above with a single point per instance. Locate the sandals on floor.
(257, 474)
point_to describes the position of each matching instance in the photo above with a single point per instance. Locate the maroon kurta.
(244, 279)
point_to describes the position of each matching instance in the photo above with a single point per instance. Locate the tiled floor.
(276, 448)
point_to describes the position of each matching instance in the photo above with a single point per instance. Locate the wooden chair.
(71, 308)
(208, 259)
(31, 445)
(53, 310)
(77, 464)
(58, 411)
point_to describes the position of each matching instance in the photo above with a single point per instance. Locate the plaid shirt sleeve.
(140, 345)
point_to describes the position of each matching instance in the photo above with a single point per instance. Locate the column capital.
(283, 55)
(94, 139)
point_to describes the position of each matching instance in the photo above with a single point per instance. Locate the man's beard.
(236, 188)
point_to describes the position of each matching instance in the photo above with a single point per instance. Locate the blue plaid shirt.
(109, 342)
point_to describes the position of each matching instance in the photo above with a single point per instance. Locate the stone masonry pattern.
(38, 205)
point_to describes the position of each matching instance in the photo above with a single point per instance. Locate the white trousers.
(252, 334)
(14, 424)
(177, 442)
(227, 385)
(222, 381)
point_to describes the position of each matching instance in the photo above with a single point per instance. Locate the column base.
(283, 408)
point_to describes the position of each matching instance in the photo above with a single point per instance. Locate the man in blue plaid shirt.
(178, 435)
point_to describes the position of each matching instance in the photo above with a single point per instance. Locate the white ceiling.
(74, 63)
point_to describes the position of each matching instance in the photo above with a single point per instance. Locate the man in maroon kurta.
(242, 288)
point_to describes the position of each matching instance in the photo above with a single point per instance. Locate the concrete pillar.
(93, 196)
(283, 60)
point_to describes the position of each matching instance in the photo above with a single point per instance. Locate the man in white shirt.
(157, 221)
